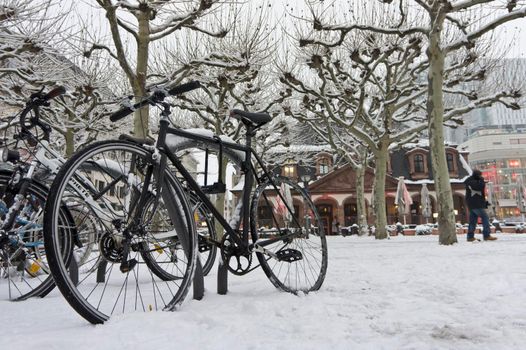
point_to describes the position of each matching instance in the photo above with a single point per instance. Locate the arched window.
(418, 162)
(323, 166)
(289, 170)
(450, 162)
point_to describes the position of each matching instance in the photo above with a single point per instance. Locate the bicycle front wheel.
(139, 260)
(288, 229)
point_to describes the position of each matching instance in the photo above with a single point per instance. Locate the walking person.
(477, 204)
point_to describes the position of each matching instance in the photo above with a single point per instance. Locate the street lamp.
(306, 176)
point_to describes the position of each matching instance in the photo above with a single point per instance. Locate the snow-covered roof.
(424, 143)
(299, 148)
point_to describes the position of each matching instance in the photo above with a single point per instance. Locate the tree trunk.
(435, 109)
(361, 218)
(141, 116)
(380, 160)
(69, 136)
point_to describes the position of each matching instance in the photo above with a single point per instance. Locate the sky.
(513, 33)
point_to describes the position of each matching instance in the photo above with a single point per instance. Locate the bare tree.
(27, 34)
(234, 73)
(361, 95)
(32, 59)
(145, 22)
(453, 28)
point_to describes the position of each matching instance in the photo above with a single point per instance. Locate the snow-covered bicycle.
(150, 245)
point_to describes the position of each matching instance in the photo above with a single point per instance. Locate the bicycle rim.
(297, 260)
(105, 180)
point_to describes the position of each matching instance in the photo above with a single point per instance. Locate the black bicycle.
(147, 252)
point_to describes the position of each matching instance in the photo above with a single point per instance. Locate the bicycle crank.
(236, 259)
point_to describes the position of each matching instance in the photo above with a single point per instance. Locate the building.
(333, 189)
(501, 156)
(498, 116)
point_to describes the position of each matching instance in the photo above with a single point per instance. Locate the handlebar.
(158, 95)
(59, 90)
(35, 101)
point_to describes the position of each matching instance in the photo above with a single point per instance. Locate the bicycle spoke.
(114, 229)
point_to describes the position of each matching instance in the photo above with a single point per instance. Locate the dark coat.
(475, 196)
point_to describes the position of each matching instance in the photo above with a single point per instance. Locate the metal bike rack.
(199, 285)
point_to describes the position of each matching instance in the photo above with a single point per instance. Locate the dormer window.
(450, 162)
(323, 166)
(323, 163)
(289, 170)
(451, 159)
(418, 163)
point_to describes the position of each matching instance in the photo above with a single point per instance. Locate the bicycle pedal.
(289, 255)
(127, 266)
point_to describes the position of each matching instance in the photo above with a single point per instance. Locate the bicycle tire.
(40, 281)
(88, 300)
(302, 263)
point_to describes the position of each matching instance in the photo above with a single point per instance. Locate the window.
(419, 163)
(323, 166)
(101, 186)
(289, 170)
(450, 162)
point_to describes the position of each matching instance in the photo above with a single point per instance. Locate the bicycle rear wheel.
(296, 258)
(133, 265)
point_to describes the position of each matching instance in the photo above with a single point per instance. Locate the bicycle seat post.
(164, 123)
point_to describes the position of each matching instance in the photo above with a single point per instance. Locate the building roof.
(400, 167)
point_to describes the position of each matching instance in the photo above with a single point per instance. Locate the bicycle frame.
(249, 177)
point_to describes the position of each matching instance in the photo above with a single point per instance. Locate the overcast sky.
(512, 34)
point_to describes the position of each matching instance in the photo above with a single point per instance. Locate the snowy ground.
(405, 293)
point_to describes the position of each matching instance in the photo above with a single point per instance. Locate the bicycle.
(150, 231)
(23, 263)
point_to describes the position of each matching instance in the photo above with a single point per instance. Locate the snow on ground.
(403, 293)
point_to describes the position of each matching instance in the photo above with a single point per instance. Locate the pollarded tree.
(234, 73)
(362, 99)
(32, 59)
(80, 115)
(366, 89)
(145, 22)
(452, 27)
(348, 150)
(27, 35)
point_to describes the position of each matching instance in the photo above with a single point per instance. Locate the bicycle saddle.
(254, 119)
